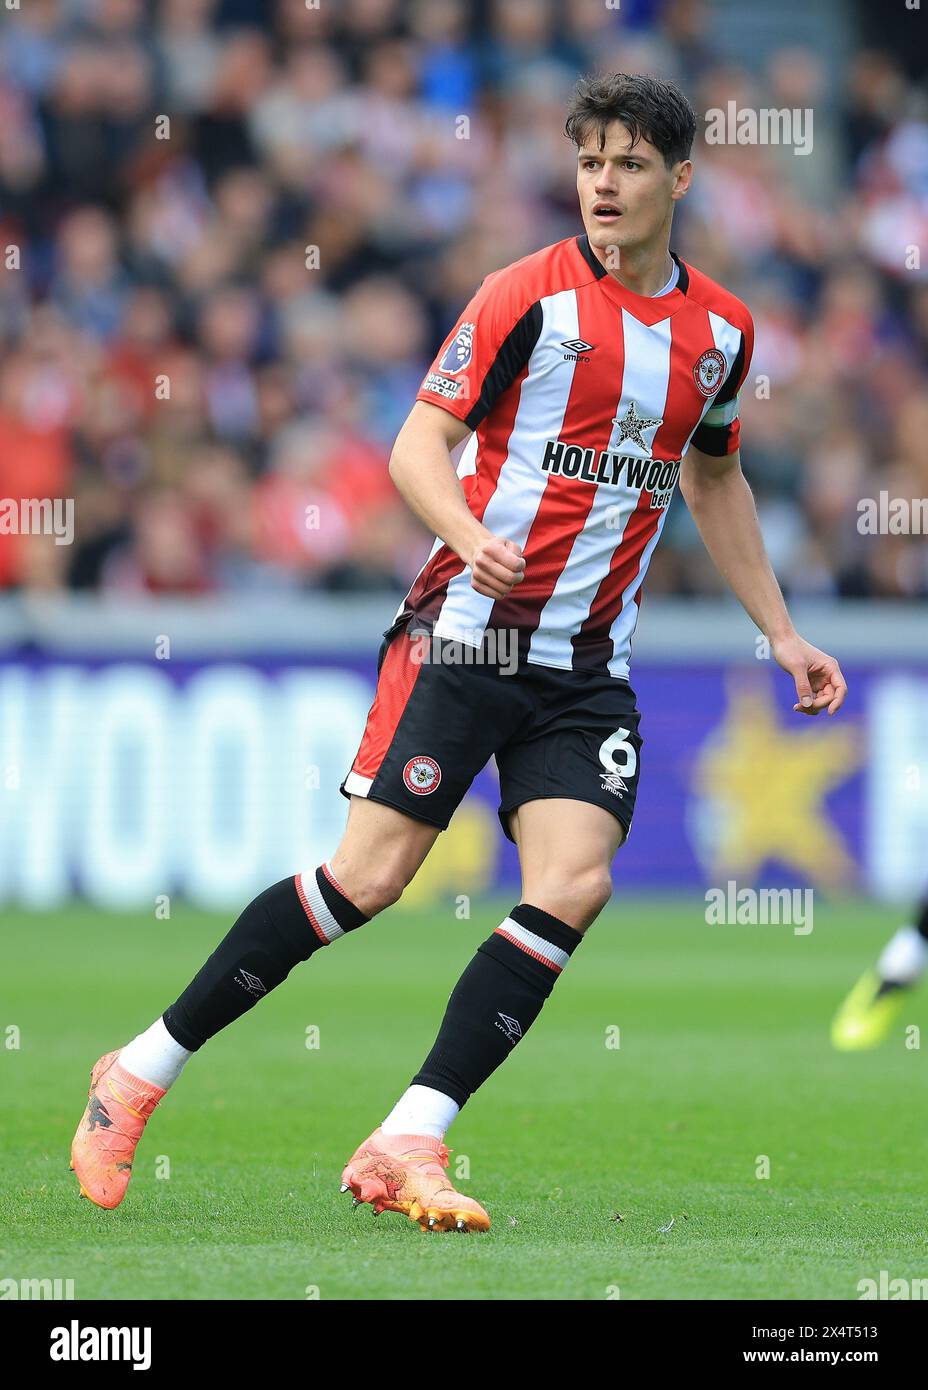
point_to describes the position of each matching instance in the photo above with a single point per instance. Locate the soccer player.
(587, 379)
(873, 1005)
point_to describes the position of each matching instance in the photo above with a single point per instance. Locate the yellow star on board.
(770, 783)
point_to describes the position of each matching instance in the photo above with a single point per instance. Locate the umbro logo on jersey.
(511, 1027)
(576, 348)
(250, 983)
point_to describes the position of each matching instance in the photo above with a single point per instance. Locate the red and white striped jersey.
(583, 397)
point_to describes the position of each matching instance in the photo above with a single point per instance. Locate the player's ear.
(683, 177)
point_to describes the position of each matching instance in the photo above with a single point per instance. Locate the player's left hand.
(819, 682)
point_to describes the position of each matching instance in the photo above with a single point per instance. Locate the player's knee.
(593, 889)
(577, 898)
(379, 889)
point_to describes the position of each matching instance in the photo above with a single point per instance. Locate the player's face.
(626, 191)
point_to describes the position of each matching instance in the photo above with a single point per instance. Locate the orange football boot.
(103, 1148)
(404, 1172)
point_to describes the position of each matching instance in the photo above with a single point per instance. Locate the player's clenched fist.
(497, 567)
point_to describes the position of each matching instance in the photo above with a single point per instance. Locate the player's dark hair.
(648, 107)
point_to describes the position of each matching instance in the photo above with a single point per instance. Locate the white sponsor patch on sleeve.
(441, 386)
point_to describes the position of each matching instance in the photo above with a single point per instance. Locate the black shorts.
(434, 724)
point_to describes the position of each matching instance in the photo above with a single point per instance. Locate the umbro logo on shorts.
(421, 775)
(612, 782)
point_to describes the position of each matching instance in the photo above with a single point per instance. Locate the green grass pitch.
(724, 1057)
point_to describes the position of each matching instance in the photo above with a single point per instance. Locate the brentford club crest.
(709, 371)
(422, 775)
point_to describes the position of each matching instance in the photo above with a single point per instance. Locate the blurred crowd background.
(338, 127)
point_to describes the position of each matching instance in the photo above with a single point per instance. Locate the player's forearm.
(425, 477)
(724, 511)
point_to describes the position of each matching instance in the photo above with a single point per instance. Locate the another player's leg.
(379, 854)
(566, 848)
(873, 1005)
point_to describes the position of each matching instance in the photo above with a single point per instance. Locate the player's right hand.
(497, 566)
(819, 682)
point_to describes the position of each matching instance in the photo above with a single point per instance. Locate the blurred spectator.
(218, 321)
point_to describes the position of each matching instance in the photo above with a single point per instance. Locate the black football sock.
(283, 926)
(921, 925)
(496, 1000)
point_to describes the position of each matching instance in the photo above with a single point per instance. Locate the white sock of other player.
(420, 1110)
(905, 957)
(154, 1056)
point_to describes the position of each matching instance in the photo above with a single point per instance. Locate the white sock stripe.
(535, 945)
(327, 870)
(317, 905)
